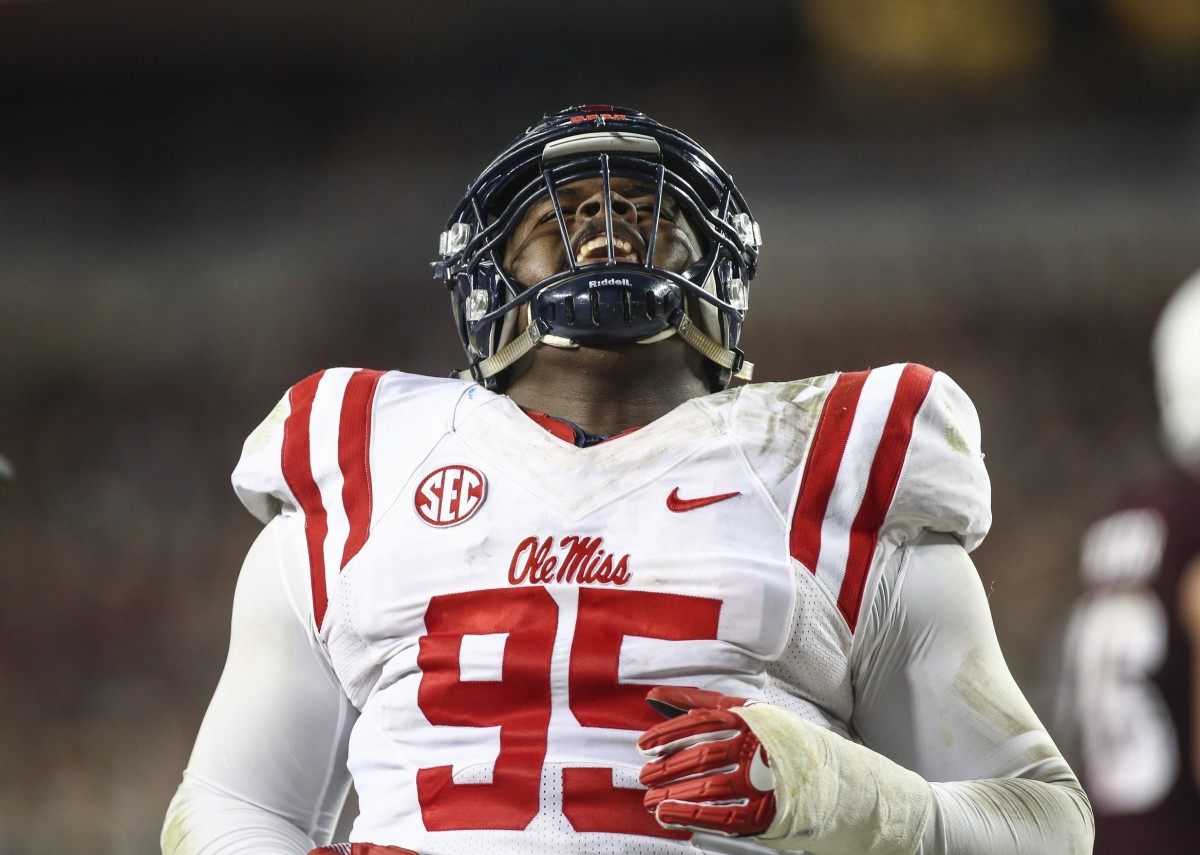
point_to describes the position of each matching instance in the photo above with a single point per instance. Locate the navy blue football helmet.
(612, 300)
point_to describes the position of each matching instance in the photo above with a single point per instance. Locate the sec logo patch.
(450, 495)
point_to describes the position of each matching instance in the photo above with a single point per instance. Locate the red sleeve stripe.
(354, 449)
(821, 468)
(297, 472)
(911, 391)
(326, 463)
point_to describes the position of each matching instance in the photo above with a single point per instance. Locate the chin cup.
(608, 306)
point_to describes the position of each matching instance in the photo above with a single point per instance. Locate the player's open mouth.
(595, 250)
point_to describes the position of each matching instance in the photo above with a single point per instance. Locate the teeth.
(599, 245)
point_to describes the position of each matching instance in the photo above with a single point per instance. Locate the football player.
(584, 596)
(1132, 697)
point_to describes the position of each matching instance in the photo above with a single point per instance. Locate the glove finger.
(697, 726)
(716, 787)
(732, 820)
(697, 760)
(671, 701)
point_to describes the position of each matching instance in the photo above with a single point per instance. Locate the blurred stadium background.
(202, 202)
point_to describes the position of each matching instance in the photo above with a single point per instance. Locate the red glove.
(707, 769)
(360, 849)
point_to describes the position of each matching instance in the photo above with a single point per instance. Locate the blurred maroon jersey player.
(1130, 700)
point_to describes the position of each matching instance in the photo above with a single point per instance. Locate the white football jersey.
(496, 602)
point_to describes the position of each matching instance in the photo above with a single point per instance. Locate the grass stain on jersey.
(792, 423)
(174, 836)
(972, 685)
(1008, 724)
(264, 432)
(955, 439)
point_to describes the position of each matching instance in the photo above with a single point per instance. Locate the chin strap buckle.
(505, 356)
(733, 359)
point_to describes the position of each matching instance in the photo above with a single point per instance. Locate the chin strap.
(711, 349)
(731, 359)
(504, 357)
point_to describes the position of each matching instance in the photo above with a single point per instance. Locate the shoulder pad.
(944, 485)
(313, 455)
(896, 451)
(279, 469)
(320, 432)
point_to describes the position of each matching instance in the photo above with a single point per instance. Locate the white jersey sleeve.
(942, 484)
(933, 692)
(268, 770)
(935, 696)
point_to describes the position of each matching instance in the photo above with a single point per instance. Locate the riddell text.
(579, 560)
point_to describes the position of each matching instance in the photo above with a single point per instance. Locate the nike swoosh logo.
(761, 776)
(678, 505)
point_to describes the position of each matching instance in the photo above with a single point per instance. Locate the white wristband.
(833, 795)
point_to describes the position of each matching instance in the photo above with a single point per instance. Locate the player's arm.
(935, 694)
(267, 774)
(935, 702)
